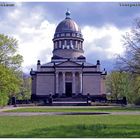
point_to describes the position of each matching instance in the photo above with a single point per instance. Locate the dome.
(67, 25)
(68, 40)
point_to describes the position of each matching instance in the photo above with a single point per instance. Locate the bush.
(137, 101)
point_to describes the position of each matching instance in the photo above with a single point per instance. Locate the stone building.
(68, 74)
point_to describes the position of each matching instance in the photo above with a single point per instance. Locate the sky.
(102, 23)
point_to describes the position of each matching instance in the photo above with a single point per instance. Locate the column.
(73, 82)
(65, 44)
(80, 45)
(81, 81)
(76, 44)
(63, 82)
(56, 45)
(59, 43)
(71, 45)
(57, 82)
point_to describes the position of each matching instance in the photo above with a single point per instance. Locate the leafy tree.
(10, 69)
(135, 88)
(121, 84)
(117, 84)
(27, 88)
(9, 84)
(8, 52)
(3, 98)
(25, 91)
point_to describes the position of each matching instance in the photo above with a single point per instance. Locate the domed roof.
(67, 25)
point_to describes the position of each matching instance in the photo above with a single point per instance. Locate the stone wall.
(33, 84)
(67, 53)
(45, 84)
(103, 86)
(92, 84)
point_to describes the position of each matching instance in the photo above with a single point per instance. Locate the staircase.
(70, 101)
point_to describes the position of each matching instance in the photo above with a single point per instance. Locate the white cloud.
(100, 43)
(34, 34)
(15, 14)
(39, 45)
(106, 42)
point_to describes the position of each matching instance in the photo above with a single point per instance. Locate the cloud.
(94, 13)
(15, 14)
(33, 32)
(33, 25)
(38, 45)
(100, 43)
(103, 43)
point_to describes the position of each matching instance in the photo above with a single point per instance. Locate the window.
(67, 34)
(62, 34)
(62, 44)
(73, 34)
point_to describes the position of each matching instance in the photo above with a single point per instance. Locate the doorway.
(68, 86)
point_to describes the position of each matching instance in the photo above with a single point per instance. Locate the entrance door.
(68, 89)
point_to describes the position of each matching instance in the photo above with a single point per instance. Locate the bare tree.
(130, 62)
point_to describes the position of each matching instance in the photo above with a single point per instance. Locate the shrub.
(137, 101)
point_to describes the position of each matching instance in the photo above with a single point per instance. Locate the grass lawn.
(74, 109)
(99, 126)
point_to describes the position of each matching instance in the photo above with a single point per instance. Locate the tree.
(9, 84)
(25, 91)
(26, 88)
(135, 89)
(8, 53)
(121, 84)
(10, 69)
(117, 84)
(130, 62)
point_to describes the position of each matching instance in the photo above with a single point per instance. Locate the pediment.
(69, 64)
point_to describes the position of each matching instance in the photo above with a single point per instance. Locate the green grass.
(100, 126)
(74, 109)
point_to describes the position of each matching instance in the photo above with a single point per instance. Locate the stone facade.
(68, 74)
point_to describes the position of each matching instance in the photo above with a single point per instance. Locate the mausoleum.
(68, 74)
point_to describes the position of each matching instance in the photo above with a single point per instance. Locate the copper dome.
(67, 25)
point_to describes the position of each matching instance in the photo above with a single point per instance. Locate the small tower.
(38, 65)
(98, 65)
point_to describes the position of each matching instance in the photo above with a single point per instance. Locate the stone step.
(69, 103)
(69, 99)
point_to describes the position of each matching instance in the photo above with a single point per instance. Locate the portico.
(68, 81)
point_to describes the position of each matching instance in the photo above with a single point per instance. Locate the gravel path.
(126, 113)
(49, 113)
(66, 113)
(2, 113)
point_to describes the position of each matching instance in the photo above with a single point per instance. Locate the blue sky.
(33, 25)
